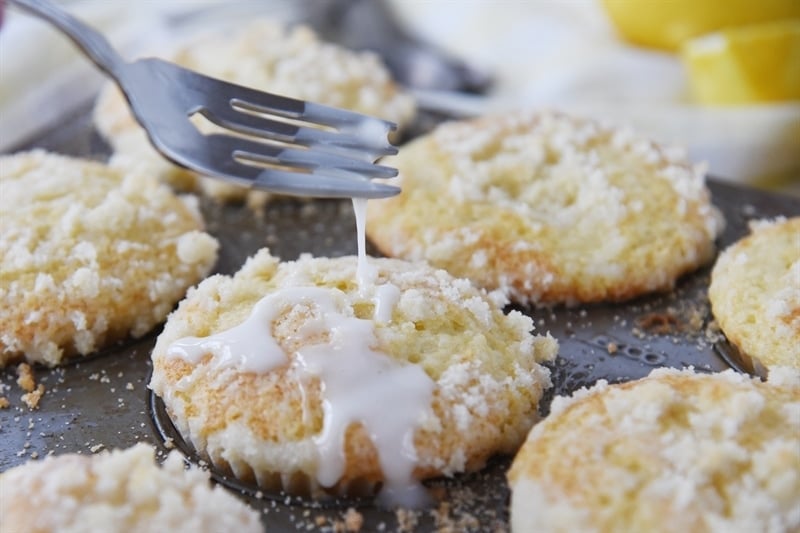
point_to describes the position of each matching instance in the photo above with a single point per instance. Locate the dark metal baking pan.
(103, 402)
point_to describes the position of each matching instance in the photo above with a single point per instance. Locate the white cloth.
(543, 53)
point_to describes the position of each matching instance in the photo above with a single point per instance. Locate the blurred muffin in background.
(667, 25)
(548, 208)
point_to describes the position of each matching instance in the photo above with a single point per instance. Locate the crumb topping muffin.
(269, 56)
(675, 451)
(89, 255)
(262, 409)
(121, 490)
(548, 208)
(755, 293)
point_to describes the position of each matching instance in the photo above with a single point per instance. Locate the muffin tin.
(102, 402)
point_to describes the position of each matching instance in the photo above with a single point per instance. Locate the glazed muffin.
(89, 255)
(675, 451)
(755, 294)
(295, 376)
(121, 490)
(548, 208)
(268, 56)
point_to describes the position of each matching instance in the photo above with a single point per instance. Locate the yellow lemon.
(667, 24)
(759, 63)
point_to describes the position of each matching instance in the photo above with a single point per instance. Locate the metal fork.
(272, 142)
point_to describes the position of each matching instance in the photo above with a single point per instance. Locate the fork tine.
(269, 103)
(298, 158)
(163, 96)
(260, 126)
(322, 185)
(315, 183)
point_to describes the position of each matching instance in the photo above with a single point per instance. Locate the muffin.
(268, 56)
(89, 255)
(296, 377)
(755, 294)
(121, 490)
(548, 208)
(675, 451)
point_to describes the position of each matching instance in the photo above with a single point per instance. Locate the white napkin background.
(543, 53)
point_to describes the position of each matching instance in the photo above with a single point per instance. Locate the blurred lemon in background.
(735, 52)
(666, 24)
(749, 64)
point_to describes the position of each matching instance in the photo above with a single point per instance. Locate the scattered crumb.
(31, 399)
(129, 386)
(612, 347)
(4, 402)
(25, 377)
(712, 332)
(406, 519)
(662, 323)
(353, 520)
(96, 448)
(320, 520)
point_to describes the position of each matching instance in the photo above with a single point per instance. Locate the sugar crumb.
(353, 520)
(25, 377)
(31, 399)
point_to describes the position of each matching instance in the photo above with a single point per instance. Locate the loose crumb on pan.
(407, 519)
(350, 522)
(31, 399)
(25, 378)
(4, 403)
(353, 520)
(27, 382)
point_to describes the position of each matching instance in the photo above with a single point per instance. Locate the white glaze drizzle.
(359, 384)
(366, 274)
(384, 296)
(243, 346)
(385, 299)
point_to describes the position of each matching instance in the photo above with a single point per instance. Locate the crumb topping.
(485, 366)
(519, 202)
(121, 490)
(89, 254)
(705, 452)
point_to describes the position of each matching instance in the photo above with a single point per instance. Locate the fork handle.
(96, 47)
